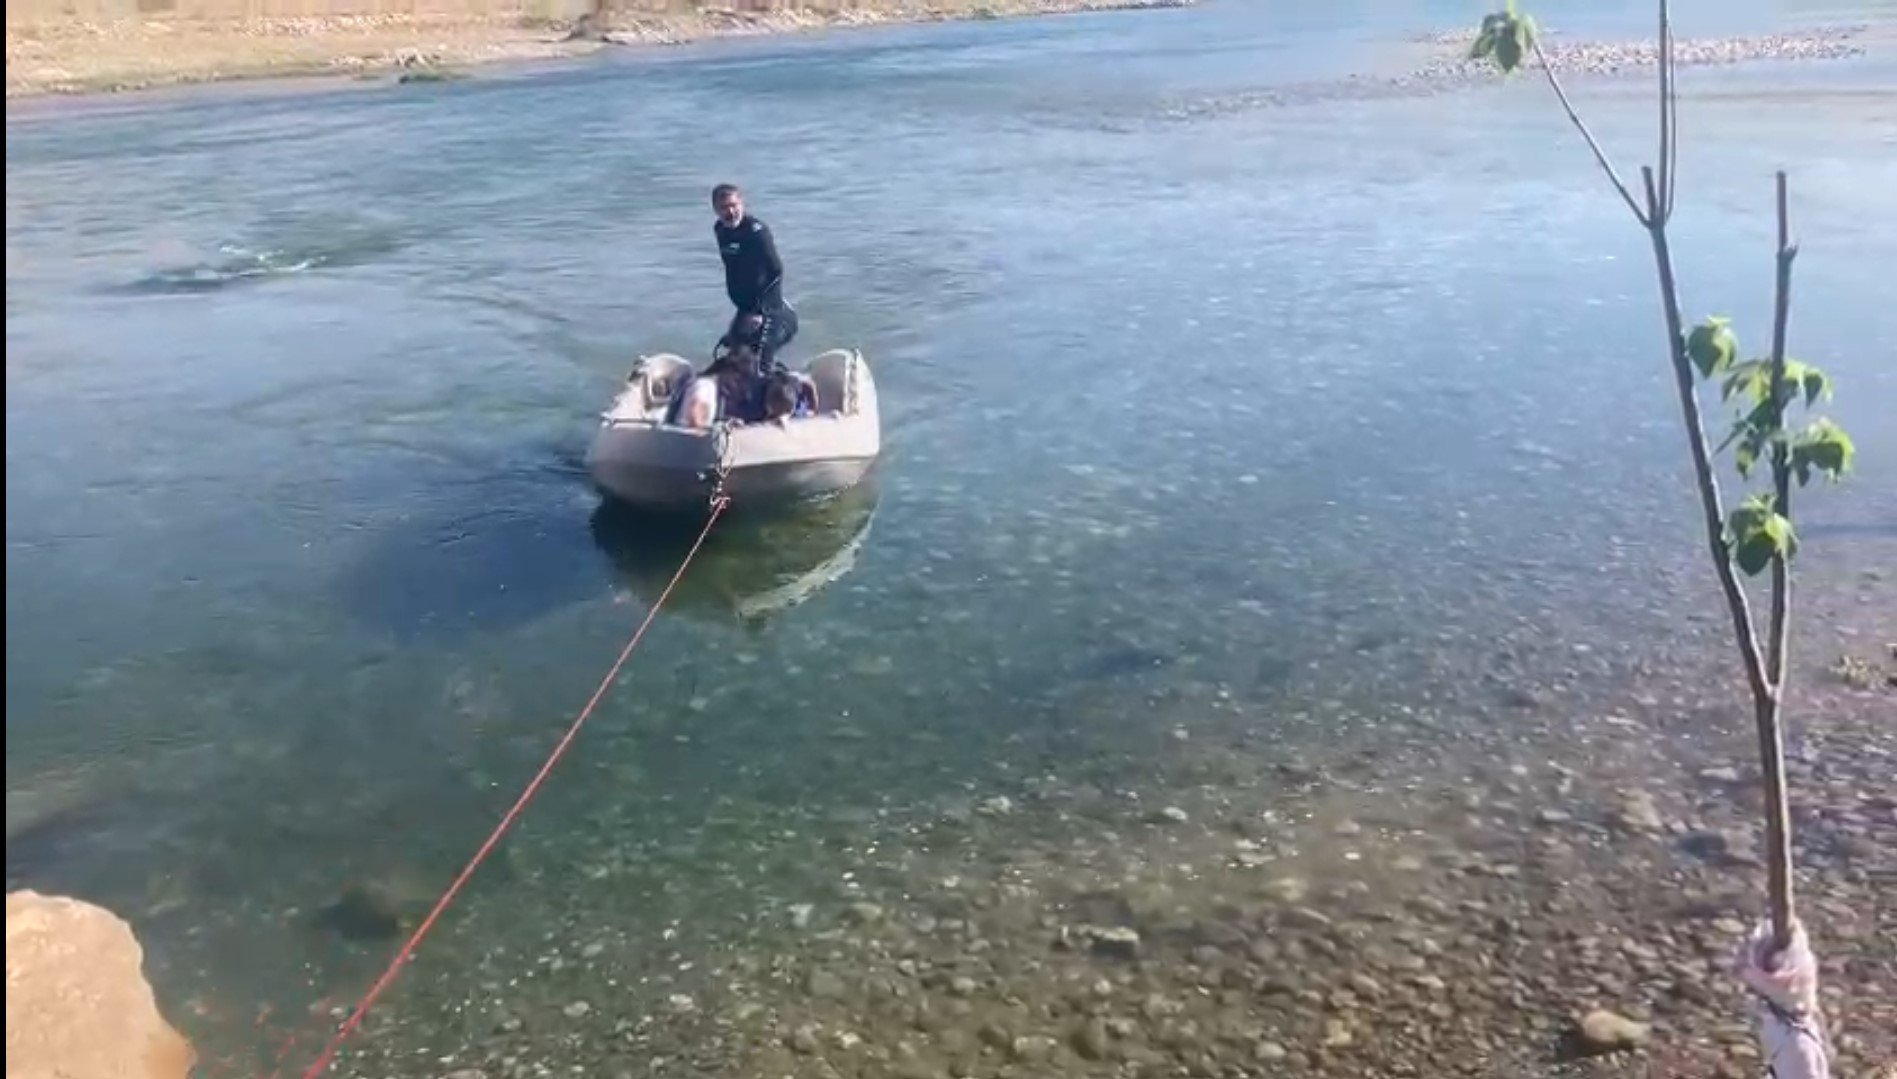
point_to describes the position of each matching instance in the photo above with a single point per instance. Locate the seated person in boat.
(737, 389)
(724, 391)
(781, 392)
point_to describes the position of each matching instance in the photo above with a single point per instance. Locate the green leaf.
(1504, 38)
(1753, 428)
(1510, 45)
(1484, 43)
(1758, 534)
(1816, 384)
(1752, 378)
(1712, 346)
(1822, 447)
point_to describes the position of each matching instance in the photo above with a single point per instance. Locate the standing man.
(754, 275)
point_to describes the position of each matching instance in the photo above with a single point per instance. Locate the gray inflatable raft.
(638, 458)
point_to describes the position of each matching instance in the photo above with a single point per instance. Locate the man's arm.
(773, 266)
(733, 286)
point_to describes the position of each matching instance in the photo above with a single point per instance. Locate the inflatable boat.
(639, 459)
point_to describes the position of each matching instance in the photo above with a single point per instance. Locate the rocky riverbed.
(1481, 911)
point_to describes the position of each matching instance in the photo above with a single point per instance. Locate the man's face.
(730, 208)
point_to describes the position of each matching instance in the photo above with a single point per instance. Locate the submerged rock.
(1601, 1031)
(1638, 813)
(362, 912)
(1116, 942)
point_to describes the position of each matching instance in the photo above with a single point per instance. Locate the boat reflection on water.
(754, 565)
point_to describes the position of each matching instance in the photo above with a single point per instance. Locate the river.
(1215, 385)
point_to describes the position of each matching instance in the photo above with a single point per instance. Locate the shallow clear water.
(1193, 400)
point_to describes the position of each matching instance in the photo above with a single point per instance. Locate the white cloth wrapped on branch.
(1791, 1026)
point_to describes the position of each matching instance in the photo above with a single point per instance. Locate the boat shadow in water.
(757, 562)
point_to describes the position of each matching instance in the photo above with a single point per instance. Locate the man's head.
(728, 202)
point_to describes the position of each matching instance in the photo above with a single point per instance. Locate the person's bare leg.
(701, 404)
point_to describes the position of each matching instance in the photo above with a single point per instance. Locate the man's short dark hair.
(718, 193)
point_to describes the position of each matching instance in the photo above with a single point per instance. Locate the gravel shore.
(1613, 57)
(93, 58)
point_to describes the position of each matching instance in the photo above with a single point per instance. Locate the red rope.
(328, 1056)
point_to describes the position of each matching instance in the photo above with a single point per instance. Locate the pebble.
(1638, 813)
(1170, 815)
(577, 1009)
(824, 985)
(863, 914)
(1033, 1048)
(804, 1040)
(1730, 847)
(1116, 942)
(1287, 889)
(998, 806)
(1307, 918)
(1601, 1031)
(1090, 1040)
(1365, 986)
(1270, 1052)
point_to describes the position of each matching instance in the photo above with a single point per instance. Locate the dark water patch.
(468, 569)
(238, 264)
(753, 567)
(496, 543)
(39, 849)
(1122, 661)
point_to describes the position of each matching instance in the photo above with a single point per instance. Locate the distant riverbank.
(95, 57)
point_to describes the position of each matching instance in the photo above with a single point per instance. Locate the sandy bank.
(85, 57)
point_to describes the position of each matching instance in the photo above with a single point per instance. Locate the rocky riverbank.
(1438, 63)
(1612, 57)
(91, 58)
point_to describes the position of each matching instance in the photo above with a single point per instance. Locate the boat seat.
(830, 373)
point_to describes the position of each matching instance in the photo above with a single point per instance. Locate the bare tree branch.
(1600, 155)
(1778, 846)
(1736, 602)
(1781, 453)
(1669, 115)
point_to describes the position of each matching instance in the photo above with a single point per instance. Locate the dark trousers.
(780, 328)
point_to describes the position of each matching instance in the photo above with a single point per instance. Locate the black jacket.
(754, 275)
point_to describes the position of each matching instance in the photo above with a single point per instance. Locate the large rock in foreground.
(78, 1005)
